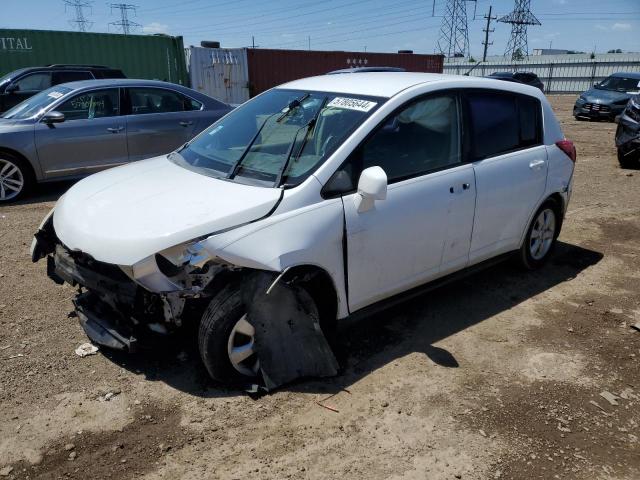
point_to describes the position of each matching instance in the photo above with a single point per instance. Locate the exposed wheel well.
(21, 157)
(319, 284)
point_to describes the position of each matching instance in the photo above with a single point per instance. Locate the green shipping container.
(158, 57)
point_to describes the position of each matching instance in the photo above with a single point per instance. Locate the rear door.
(510, 164)
(159, 120)
(92, 137)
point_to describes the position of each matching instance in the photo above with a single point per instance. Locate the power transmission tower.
(520, 18)
(453, 40)
(487, 31)
(124, 24)
(80, 21)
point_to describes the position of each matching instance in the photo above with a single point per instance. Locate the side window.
(95, 104)
(64, 77)
(530, 125)
(423, 137)
(155, 100)
(494, 124)
(192, 104)
(35, 82)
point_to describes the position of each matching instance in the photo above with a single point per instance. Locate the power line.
(520, 18)
(124, 24)
(79, 21)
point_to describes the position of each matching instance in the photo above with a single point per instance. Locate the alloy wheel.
(11, 180)
(241, 348)
(542, 234)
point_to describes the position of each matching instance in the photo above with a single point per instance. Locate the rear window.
(502, 123)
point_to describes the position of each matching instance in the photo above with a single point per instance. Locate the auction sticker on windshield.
(55, 95)
(352, 104)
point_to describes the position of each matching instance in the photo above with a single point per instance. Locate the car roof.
(626, 75)
(386, 84)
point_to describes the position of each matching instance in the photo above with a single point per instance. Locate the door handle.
(537, 164)
(466, 186)
(186, 124)
(115, 129)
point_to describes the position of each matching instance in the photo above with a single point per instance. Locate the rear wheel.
(541, 236)
(16, 178)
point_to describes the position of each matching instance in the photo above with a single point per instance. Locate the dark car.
(628, 134)
(26, 82)
(367, 69)
(607, 99)
(74, 129)
(528, 78)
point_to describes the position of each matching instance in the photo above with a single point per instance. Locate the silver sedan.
(75, 129)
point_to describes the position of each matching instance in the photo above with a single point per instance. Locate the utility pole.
(487, 31)
(124, 24)
(80, 21)
(253, 41)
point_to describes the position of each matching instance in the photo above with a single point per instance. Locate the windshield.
(36, 104)
(279, 137)
(620, 84)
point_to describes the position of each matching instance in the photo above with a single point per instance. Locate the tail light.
(568, 148)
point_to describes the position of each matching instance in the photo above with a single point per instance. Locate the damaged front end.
(121, 306)
(628, 132)
(131, 307)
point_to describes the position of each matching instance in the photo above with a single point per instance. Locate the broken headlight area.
(123, 307)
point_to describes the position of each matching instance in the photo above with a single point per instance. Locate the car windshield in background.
(280, 137)
(620, 84)
(36, 104)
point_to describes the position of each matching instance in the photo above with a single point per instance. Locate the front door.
(425, 222)
(92, 137)
(25, 87)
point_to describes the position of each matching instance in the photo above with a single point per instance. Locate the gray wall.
(560, 73)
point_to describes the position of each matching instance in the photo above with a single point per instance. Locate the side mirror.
(53, 117)
(12, 88)
(372, 186)
(617, 119)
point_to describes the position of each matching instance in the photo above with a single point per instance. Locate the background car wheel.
(16, 178)
(226, 339)
(541, 236)
(628, 161)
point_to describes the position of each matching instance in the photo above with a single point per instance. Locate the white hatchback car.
(343, 191)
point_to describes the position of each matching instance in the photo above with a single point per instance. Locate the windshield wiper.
(288, 109)
(309, 126)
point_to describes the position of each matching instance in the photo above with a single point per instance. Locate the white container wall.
(221, 73)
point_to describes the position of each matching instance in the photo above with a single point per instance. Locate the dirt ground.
(496, 376)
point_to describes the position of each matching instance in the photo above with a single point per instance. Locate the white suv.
(341, 191)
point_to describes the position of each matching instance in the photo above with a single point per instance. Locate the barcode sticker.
(352, 104)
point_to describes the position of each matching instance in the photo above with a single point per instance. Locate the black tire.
(218, 321)
(525, 256)
(25, 172)
(628, 161)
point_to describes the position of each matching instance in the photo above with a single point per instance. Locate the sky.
(356, 25)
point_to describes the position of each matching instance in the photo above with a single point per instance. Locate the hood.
(125, 214)
(596, 95)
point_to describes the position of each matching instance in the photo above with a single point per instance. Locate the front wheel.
(226, 339)
(541, 236)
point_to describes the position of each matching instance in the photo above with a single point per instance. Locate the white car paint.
(420, 232)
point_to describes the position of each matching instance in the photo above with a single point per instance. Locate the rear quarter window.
(501, 122)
